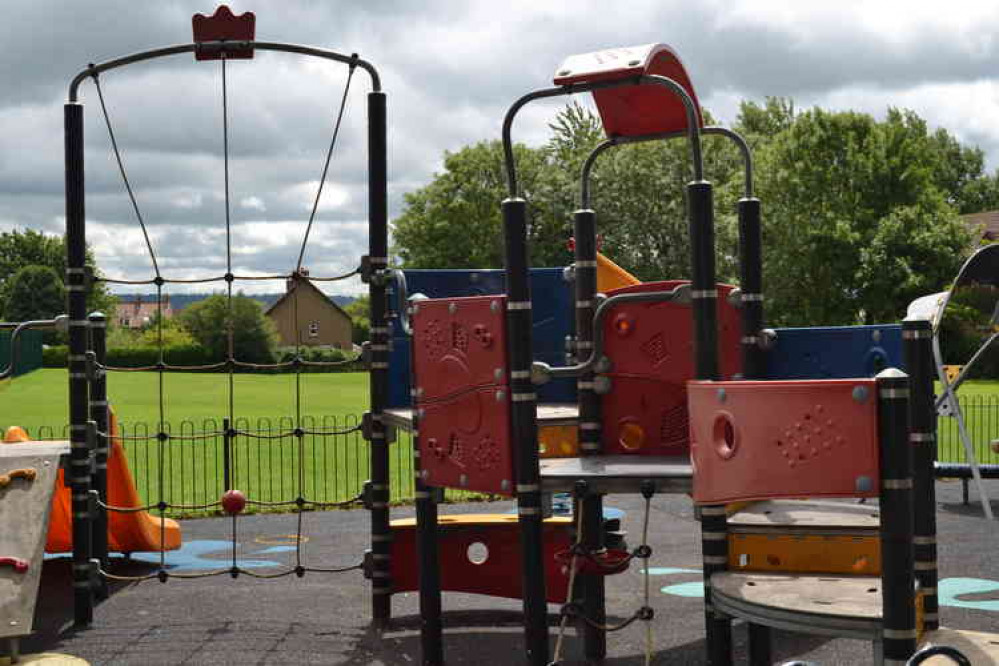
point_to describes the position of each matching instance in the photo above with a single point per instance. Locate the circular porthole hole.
(724, 435)
(477, 553)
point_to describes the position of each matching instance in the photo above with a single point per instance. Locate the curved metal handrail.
(61, 322)
(690, 108)
(736, 138)
(152, 54)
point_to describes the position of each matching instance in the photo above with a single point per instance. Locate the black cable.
(124, 176)
(326, 166)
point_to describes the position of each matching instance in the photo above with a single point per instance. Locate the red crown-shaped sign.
(221, 26)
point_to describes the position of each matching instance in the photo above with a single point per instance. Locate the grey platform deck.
(843, 606)
(618, 474)
(549, 414)
(816, 517)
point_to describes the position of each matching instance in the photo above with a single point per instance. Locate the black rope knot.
(643, 552)
(571, 610)
(645, 613)
(300, 571)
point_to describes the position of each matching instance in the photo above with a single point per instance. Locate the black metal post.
(751, 269)
(524, 429)
(99, 415)
(76, 285)
(590, 591)
(897, 578)
(753, 355)
(917, 339)
(760, 652)
(704, 295)
(428, 553)
(381, 533)
(427, 531)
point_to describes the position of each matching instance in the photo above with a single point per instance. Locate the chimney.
(293, 279)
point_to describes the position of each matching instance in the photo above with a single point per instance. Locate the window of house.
(313, 329)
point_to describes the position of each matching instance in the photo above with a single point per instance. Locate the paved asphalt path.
(323, 618)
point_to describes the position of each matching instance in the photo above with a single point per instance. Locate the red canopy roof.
(633, 110)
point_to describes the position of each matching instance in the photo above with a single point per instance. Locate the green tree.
(209, 321)
(34, 292)
(27, 248)
(172, 332)
(360, 317)
(859, 215)
(855, 220)
(455, 221)
(638, 193)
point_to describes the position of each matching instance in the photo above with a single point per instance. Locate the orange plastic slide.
(611, 276)
(127, 532)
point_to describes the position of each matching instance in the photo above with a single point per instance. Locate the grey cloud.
(450, 69)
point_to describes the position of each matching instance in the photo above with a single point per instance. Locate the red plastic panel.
(460, 375)
(633, 110)
(764, 440)
(223, 25)
(460, 344)
(650, 346)
(499, 575)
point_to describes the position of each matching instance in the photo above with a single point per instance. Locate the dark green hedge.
(192, 355)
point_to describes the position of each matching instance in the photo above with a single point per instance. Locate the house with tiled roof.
(305, 315)
(136, 312)
(985, 223)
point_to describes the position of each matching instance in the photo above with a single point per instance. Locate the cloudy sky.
(450, 69)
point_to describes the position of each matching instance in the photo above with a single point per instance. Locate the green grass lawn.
(40, 399)
(191, 470)
(980, 403)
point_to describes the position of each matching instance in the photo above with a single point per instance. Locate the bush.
(193, 355)
(55, 356)
(254, 334)
(966, 326)
(320, 355)
(136, 357)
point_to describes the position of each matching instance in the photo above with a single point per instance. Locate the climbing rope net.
(582, 559)
(163, 437)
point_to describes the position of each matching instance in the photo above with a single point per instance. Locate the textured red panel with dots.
(461, 382)
(765, 440)
(651, 349)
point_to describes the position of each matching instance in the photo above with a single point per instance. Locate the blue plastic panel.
(835, 352)
(552, 308)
